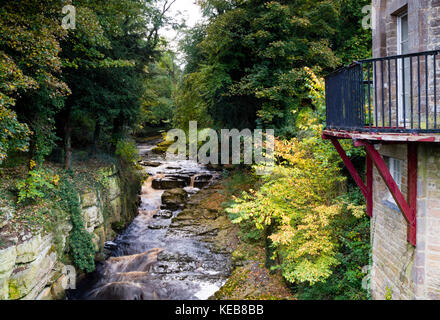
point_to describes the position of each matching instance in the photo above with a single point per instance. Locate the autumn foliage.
(300, 201)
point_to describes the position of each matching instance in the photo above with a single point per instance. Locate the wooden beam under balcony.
(383, 137)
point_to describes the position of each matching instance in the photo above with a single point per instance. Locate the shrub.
(81, 247)
(298, 202)
(127, 152)
(37, 185)
(319, 238)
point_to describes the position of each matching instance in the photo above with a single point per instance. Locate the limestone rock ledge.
(32, 269)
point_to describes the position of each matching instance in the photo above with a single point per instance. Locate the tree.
(300, 200)
(29, 70)
(158, 101)
(105, 66)
(251, 55)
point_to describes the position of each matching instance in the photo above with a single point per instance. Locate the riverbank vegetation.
(259, 64)
(79, 96)
(71, 101)
(85, 88)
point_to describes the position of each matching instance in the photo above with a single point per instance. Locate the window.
(402, 34)
(404, 84)
(395, 167)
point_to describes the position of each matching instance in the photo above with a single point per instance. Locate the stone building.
(390, 106)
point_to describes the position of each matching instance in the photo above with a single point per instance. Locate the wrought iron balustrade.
(391, 94)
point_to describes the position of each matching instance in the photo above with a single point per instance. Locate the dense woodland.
(87, 93)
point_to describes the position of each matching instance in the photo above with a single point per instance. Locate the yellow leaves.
(357, 211)
(56, 180)
(32, 164)
(300, 200)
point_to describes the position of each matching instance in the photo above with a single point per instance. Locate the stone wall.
(392, 255)
(398, 268)
(32, 270)
(427, 258)
(423, 22)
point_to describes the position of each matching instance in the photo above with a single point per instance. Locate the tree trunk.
(67, 142)
(117, 132)
(96, 135)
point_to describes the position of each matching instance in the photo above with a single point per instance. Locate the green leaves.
(29, 35)
(14, 136)
(127, 152)
(300, 204)
(37, 185)
(81, 247)
(256, 52)
(158, 99)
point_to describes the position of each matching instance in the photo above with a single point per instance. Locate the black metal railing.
(391, 94)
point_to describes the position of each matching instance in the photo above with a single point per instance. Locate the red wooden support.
(369, 178)
(408, 212)
(412, 191)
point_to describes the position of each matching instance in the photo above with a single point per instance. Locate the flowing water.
(153, 259)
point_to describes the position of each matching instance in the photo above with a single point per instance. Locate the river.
(156, 257)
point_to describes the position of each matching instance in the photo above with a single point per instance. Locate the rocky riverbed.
(178, 247)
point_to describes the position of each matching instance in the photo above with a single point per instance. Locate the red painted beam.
(412, 191)
(401, 202)
(349, 166)
(369, 178)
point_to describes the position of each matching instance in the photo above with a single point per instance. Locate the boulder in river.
(202, 180)
(174, 198)
(159, 224)
(150, 163)
(168, 183)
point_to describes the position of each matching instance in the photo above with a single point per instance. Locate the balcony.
(385, 100)
(394, 97)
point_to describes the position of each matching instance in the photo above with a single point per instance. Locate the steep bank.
(33, 260)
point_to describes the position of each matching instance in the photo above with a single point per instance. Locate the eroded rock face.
(6, 213)
(113, 187)
(28, 281)
(31, 269)
(7, 262)
(89, 199)
(92, 217)
(29, 250)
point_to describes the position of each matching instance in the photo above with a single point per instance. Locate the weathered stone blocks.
(31, 269)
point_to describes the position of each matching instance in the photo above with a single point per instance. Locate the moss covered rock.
(7, 262)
